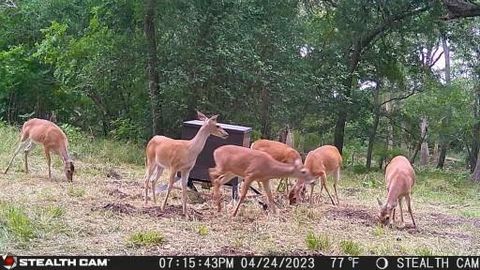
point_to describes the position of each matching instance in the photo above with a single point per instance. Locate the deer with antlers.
(232, 160)
(400, 178)
(39, 131)
(177, 156)
(321, 162)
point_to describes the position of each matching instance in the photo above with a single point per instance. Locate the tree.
(152, 63)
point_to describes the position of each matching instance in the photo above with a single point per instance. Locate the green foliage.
(203, 230)
(318, 242)
(350, 247)
(146, 238)
(17, 222)
(262, 64)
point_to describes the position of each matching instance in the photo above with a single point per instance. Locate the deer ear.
(214, 118)
(201, 116)
(379, 202)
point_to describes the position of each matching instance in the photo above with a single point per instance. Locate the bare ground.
(104, 206)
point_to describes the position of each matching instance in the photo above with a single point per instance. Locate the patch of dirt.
(353, 214)
(171, 211)
(118, 193)
(111, 173)
(123, 208)
(452, 235)
(446, 219)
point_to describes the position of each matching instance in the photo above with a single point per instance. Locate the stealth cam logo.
(8, 262)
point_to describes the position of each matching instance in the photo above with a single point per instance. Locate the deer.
(177, 156)
(249, 164)
(321, 162)
(44, 132)
(280, 152)
(399, 178)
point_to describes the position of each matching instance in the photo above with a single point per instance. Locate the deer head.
(212, 126)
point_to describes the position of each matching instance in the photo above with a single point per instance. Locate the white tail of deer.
(321, 162)
(280, 152)
(232, 160)
(177, 156)
(399, 178)
(53, 139)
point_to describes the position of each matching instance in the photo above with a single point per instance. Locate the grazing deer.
(177, 156)
(232, 160)
(39, 131)
(280, 152)
(321, 162)
(399, 178)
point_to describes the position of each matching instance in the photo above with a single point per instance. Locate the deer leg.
(19, 148)
(185, 175)
(29, 146)
(324, 184)
(409, 206)
(171, 181)
(146, 179)
(49, 162)
(243, 194)
(157, 173)
(268, 192)
(336, 178)
(311, 193)
(401, 210)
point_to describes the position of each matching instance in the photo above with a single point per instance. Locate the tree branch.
(398, 98)
(460, 9)
(436, 60)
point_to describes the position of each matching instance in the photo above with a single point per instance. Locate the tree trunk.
(445, 120)
(476, 172)
(265, 113)
(152, 62)
(442, 156)
(373, 131)
(424, 147)
(371, 139)
(340, 130)
(476, 131)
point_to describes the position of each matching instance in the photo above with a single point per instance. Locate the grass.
(98, 214)
(203, 230)
(350, 247)
(321, 242)
(76, 192)
(146, 238)
(17, 222)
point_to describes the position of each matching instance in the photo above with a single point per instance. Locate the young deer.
(177, 156)
(280, 152)
(400, 178)
(321, 162)
(232, 160)
(39, 131)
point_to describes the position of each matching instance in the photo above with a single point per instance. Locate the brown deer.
(280, 152)
(399, 178)
(321, 162)
(177, 156)
(39, 131)
(232, 160)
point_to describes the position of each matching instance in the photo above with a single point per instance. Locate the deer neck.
(280, 169)
(198, 142)
(392, 197)
(65, 155)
